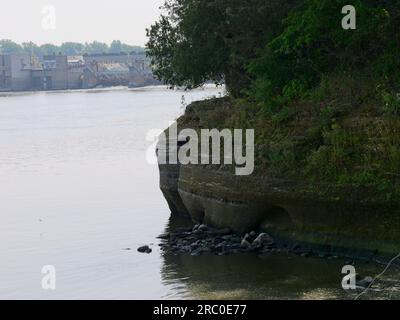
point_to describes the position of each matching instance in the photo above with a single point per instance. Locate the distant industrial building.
(24, 72)
(16, 72)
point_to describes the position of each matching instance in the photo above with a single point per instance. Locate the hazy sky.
(77, 20)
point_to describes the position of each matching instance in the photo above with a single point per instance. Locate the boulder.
(164, 236)
(245, 244)
(263, 239)
(144, 249)
(202, 228)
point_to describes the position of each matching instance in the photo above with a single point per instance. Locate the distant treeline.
(68, 48)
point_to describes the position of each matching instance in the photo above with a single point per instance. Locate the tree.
(68, 48)
(196, 41)
(48, 49)
(116, 47)
(8, 47)
(96, 47)
(313, 44)
(128, 49)
(31, 48)
(72, 48)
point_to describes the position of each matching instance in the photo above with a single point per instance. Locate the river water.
(76, 193)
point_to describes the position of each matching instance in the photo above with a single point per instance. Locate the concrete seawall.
(216, 197)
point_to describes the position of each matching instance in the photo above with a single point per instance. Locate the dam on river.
(28, 72)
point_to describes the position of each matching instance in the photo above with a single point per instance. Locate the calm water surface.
(76, 191)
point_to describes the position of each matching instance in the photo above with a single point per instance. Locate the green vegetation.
(314, 45)
(68, 48)
(324, 101)
(197, 41)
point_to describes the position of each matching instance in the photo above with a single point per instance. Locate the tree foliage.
(68, 48)
(314, 44)
(196, 41)
(273, 50)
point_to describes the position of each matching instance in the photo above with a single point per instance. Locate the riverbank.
(212, 264)
(91, 90)
(287, 196)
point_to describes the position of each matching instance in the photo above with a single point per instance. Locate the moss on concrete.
(326, 174)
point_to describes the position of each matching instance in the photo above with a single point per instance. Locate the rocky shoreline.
(202, 239)
(287, 209)
(205, 240)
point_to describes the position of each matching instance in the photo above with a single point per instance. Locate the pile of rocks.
(204, 240)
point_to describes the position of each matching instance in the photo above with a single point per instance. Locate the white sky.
(78, 20)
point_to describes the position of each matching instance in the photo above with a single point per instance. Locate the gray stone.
(144, 249)
(228, 237)
(245, 244)
(220, 232)
(183, 230)
(203, 228)
(164, 236)
(197, 232)
(263, 239)
(224, 232)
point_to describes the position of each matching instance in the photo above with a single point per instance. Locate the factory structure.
(27, 72)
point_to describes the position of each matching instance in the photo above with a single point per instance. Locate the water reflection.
(249, 276)
(76, 189)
